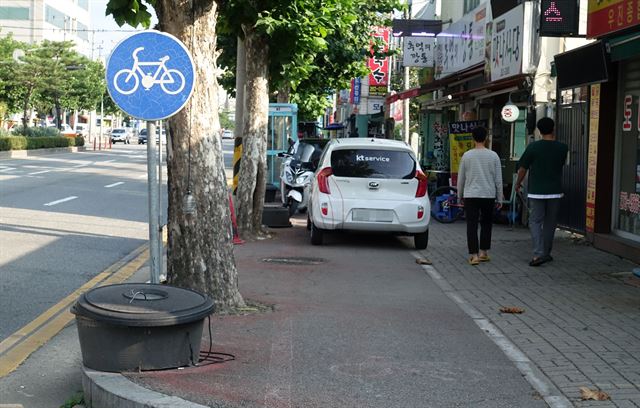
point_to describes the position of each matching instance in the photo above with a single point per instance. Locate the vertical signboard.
(607, 16)
(507, 44)
(418, 51)
(592, 157)
(379, 66)
(356, 86)
(462, 45)
(460, 140)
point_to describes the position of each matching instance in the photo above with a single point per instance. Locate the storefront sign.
(418, 51)
(607, 16)
(592, 157)
(379, 66)
(559, 18)
(627, 113)
(460, 140)
(462, 45)
(374, 105)
(510, 112)
(506, 44)
(356, 86)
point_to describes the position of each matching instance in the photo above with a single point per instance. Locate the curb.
(113, 390)
(10, 154)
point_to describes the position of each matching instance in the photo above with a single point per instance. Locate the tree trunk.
(284, 94)
(200, 250)
(253, 165)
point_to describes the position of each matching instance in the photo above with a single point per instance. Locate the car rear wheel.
(421, 240)
(317, 235)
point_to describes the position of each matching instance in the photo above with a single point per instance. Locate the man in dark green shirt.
(544, 160)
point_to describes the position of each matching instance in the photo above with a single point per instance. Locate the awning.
(437, 84)
(624, 47)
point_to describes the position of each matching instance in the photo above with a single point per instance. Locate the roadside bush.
(4, 132)
(37, 131)
(29, 143)
(79, 141)
(13, 143)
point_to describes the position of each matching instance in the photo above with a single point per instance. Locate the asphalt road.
(64, 218)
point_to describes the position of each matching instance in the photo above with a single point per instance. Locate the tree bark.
(284, 94)
(200, 249)
(253, 165)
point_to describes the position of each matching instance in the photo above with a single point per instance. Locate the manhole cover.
(296, 261)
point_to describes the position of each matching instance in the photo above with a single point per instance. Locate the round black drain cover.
(295, 261)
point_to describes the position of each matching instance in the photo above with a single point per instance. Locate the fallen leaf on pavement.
(423, 261)
(511, 309)
(595, 395)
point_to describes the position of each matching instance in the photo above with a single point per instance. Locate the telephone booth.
(283, 126)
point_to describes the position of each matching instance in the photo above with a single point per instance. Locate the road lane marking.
(39, 172)
(143, 176)
(20, 345)
(61, 201)
(114, 184)
(109, 161)
(81, 165)
(7, 169)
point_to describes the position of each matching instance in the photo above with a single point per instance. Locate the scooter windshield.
(305, 152)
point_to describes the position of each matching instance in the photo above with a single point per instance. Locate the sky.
(109, 34)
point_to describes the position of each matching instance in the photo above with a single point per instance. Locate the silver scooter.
(296, 173)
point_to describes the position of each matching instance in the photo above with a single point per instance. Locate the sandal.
(484, 258)
(474, 260)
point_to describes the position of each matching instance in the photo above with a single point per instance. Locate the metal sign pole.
(152, 178)
(160, 246)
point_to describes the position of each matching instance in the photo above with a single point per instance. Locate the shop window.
(84, 4)
(14, 13)
(627, 191)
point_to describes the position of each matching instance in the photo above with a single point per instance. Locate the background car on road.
(142, 136)
(369, 185)
(120, 135)
(227, 134)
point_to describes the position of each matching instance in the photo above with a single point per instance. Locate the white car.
(120, 135)
(369, 185)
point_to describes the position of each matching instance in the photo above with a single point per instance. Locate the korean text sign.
(607, 16)
(462, 45)
(379, 66)
(507, 44)
(460, 140)
(418, 51)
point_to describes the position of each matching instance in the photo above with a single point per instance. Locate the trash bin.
(140, 326)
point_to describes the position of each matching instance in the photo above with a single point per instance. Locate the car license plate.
(372, 215)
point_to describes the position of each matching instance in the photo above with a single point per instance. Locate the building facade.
(32, 21)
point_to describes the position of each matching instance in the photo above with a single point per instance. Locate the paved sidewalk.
(581, 324)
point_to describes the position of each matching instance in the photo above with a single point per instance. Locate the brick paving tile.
(581, 320)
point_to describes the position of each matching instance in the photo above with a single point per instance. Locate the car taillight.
(324, 207)
(422, 184)
(420, 212)
(323, 180)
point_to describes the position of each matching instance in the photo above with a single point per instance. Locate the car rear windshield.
(364, 163)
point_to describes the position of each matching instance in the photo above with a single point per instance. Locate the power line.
(132, 30)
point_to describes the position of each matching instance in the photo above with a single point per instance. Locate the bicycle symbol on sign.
(126, 80)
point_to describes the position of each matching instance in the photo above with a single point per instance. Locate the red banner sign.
(606, 16)
(379, 76)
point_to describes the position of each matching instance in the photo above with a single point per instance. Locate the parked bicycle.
(126, 80)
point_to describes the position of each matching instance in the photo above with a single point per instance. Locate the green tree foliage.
(317, 46)
(47, 75)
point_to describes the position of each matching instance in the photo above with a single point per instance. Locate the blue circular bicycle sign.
(150, 75)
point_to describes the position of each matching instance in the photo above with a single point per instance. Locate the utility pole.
(405, 102)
